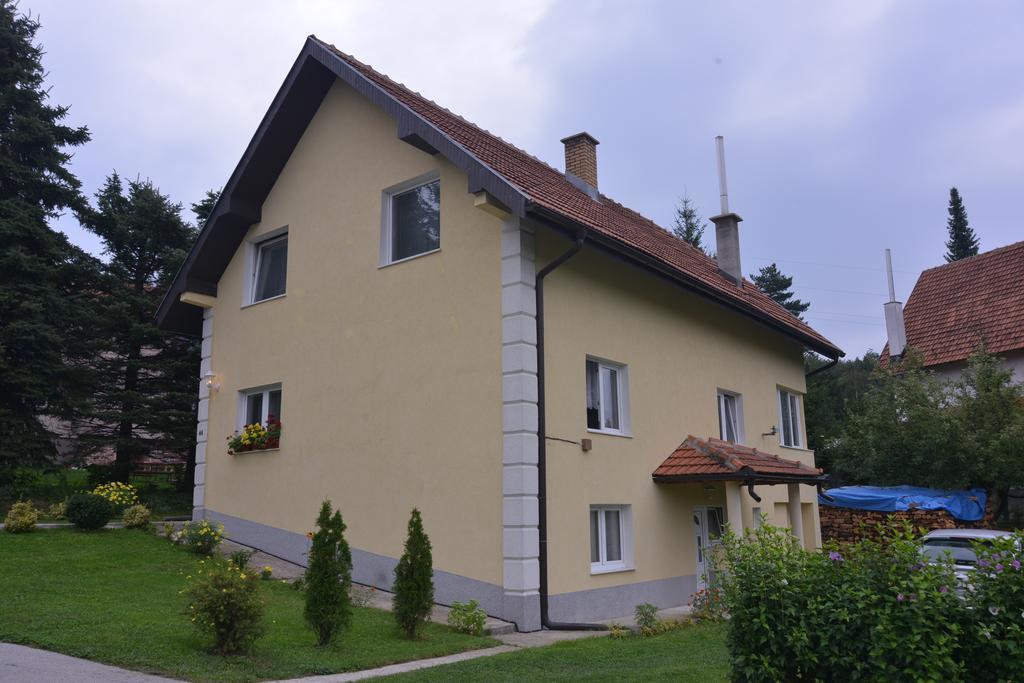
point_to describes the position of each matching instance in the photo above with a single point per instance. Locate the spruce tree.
(962, 241)
(414, 579)
(328, 578)
(145, 401)
(204, 207)
(45, 282)
(688, 225)
(772, 282)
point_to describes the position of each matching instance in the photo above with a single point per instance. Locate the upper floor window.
(730, 416)
(790, 417)
(270, 269)
(607, 397)
(411, 220)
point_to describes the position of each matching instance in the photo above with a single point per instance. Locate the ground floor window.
(260, 406)
(610, 538)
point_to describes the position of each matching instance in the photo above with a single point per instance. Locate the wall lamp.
(210, 379)
(773, 432)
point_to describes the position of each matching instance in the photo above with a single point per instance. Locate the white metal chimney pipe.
(895, 327)
(723, 190)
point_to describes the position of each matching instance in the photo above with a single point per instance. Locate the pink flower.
(899, 597)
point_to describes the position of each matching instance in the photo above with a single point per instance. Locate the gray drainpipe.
(542, 520)
(824, 367)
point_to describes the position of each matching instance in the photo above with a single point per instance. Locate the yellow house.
(576, 400)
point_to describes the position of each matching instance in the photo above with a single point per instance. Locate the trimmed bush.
(57, 510)
(21, 517)
(136, 517)
(414, 580)
(467, 618)
(224, 602)
(328, 578)
(88, 512)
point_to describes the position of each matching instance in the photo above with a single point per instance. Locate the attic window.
(270, 270)
(411, 220)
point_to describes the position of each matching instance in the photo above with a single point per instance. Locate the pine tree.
(414, 579)
(772, 282)
(328, 578)
(204, 207)
(962, 240)
(45, 282)
(145, 401)
(688, 225)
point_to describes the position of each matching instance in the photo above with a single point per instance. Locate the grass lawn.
(694, 653)
(112, 596)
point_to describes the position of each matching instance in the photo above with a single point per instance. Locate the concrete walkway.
(20, 664)
(394, 669)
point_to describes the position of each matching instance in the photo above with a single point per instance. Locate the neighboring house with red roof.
(959, 307)
(441, 320)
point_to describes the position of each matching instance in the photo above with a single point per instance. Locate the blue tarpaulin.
(965, 505)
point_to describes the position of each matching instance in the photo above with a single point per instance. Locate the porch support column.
(734, 506)
(796, 515)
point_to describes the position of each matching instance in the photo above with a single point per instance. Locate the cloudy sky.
(845, 123)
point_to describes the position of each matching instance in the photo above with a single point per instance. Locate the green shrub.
(873, 611)
(414, 580)
(57, 510)
(224, 602)
(646, 616)
(328, 578)
(136, 517)
(21, 517)
(241, 558)
(266, 572)
(87, 511)
(994, 632)
(467, 618)
(200, 537)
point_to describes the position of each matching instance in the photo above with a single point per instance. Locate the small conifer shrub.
(89, 511)
(414, 580)
(328, 578)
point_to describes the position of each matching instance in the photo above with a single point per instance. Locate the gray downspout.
(823, 368)
(542, 520)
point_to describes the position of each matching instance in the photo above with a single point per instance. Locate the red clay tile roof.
(697, 459)
(958, 306)
(549, 188)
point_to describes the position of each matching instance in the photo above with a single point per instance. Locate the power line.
(830, 265)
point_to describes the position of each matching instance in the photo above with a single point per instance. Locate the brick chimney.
(581, 161)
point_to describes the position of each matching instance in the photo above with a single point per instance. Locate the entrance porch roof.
(697, 460)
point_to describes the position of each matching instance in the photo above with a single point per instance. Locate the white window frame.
(737, 400)
(602, 566)
(796, 423)
(243, 403)
(622, 374)
(254, 248)
(387, 231)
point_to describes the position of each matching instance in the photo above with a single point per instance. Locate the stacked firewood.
(847, 525)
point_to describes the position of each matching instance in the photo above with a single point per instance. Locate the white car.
(957, 545)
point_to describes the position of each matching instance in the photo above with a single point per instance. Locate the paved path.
(20, 664)
(393, 669)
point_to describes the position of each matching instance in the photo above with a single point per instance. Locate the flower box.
(256, 437)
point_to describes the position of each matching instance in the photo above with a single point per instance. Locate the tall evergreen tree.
(45, 282)
(204, 207)
(688, 224)
(145, 398)
(772, 282)
(414, 579)
(962, 241)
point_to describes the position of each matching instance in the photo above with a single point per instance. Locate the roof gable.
(527, 186)
(956, 307)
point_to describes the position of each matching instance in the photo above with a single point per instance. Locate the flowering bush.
(200, 537)
(467, 618)
(21, 517)
(267, 572)
(995, 626)
(119, 494)
(873, 611)
(707, 604)
(57, 510)
(223, 600)
(136, 517)
(256, 437)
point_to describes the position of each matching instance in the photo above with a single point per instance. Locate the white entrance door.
(700, 530)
